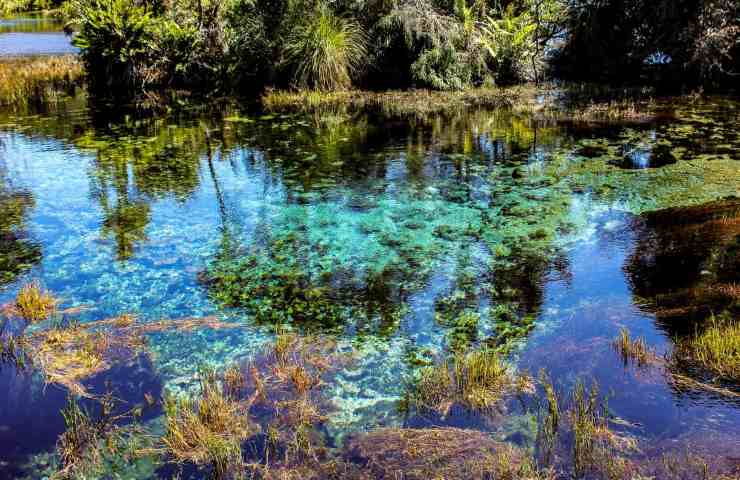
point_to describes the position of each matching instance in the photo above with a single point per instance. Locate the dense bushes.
(441, 44)
(693, 42)
(249, 44)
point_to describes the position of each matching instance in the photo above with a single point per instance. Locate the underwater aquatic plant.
(449, 453)
(34, 304)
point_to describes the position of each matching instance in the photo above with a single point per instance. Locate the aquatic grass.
(37, 80)
(207, 430)
(477, 380)
(715, 348)
(632, 350)
(391, 104)
(34, 304)
(97, 441)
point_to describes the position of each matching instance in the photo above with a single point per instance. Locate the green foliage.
(326, 51)
(510, 41)
(116, 38)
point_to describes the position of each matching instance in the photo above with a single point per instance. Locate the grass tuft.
(34, 304)
(716, 349)
(207, 430)
(633, 350)
(477, 380)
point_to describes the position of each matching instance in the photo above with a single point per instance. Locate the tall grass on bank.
(394, 103)
(716, 349)
(37, 80)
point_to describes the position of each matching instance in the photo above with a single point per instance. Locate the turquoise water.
(415, 238)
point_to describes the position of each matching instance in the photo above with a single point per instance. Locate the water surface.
(34, 35)
(482, 228)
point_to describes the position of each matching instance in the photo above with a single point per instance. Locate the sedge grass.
(632, 350)
(715, 349)
(37, 80)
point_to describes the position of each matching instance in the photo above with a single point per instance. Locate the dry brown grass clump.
(68, 355)
(477, 380)
(448, 453)
(207, 430)
(24, 81)
(34, 304)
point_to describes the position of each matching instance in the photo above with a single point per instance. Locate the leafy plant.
(326, 51)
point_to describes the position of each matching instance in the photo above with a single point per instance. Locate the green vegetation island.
(370, 239)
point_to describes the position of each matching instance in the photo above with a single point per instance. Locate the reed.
(207, 430)
(37, 80)
(633, 350)
(393, 104)
(477, 380)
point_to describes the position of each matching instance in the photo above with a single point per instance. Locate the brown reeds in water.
(207, 430)
(633, 350)
(36, 80)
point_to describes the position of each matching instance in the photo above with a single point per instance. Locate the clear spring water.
(487, 227)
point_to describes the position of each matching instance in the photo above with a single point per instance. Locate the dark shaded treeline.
(676, 42)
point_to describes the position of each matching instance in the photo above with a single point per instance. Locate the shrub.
(116, 39)
(326, 51)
